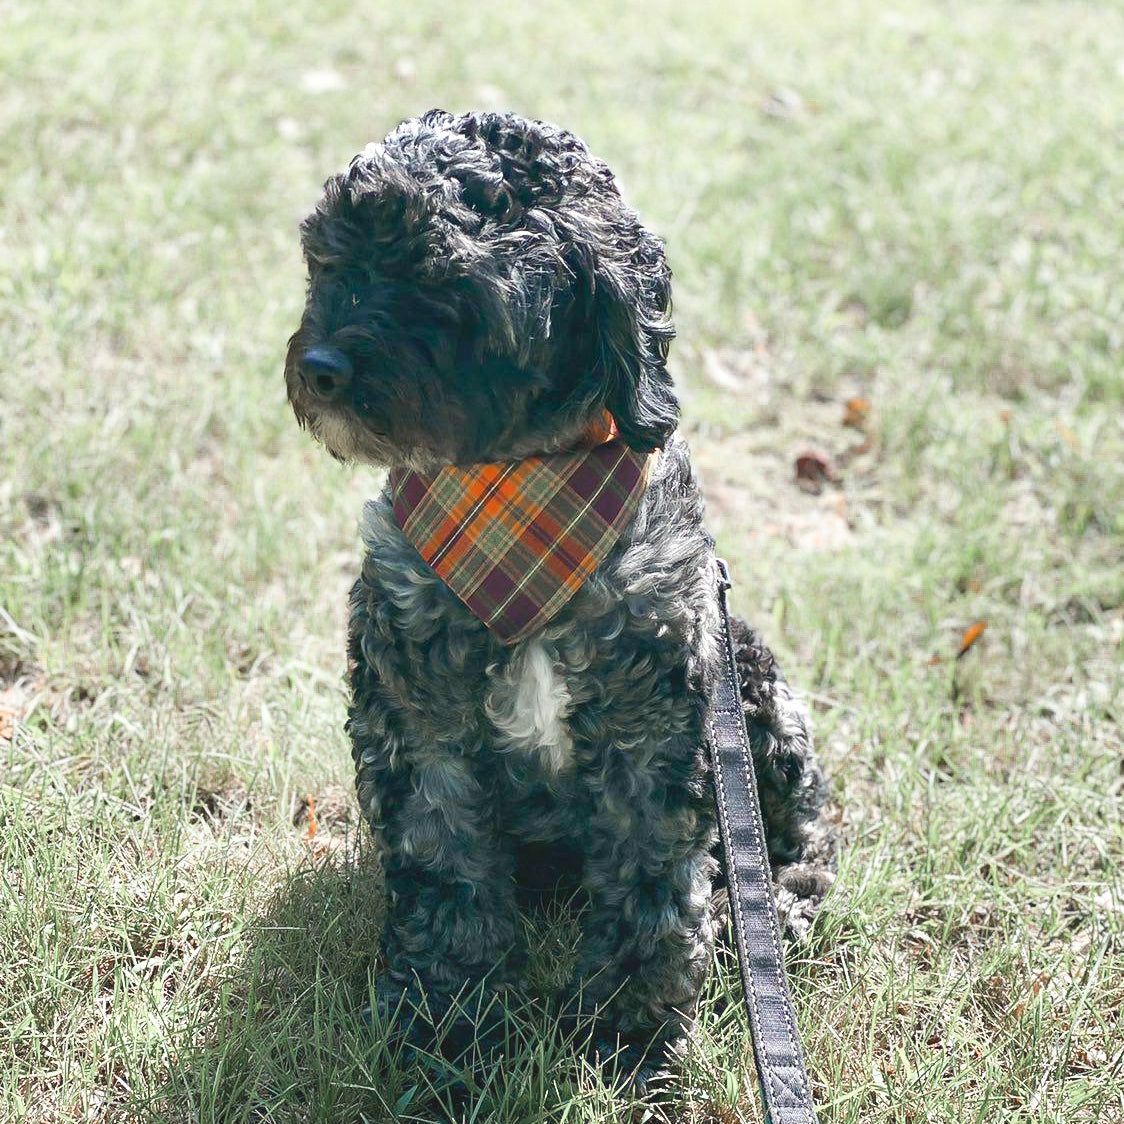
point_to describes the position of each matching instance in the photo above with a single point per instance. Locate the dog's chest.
(618, 670)
(528, 704)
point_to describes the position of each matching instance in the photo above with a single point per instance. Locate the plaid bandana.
(514, 540)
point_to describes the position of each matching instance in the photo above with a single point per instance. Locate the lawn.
(899, 253)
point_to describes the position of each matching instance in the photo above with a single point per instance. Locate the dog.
(481, 302)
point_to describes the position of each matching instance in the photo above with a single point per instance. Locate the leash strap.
(776, 1044)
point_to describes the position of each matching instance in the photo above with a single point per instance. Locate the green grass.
(914, 206)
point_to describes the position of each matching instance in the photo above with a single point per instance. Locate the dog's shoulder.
(667, 547)
(661, 572)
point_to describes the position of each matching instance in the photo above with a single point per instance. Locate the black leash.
(776, 1042)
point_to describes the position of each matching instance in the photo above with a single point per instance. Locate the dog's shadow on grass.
(284, 1039)
(288, 1038)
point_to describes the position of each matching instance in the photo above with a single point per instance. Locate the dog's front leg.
(648, 936)
(426, 790)
(451, 923)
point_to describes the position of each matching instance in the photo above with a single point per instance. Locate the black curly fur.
(486, 294)
(790, 782)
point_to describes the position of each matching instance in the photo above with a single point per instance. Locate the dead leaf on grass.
(856, 413)
(330, 812)
(967, 641)
(813, 470)
(328, 820)
(305, 816)
(970, 636)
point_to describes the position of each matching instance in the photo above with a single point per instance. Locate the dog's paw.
(799, 891)
(464, 1029)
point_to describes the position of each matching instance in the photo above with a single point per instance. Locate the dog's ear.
(627, 304)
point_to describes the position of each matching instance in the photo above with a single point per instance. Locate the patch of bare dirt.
(221, 803)
(804, 470)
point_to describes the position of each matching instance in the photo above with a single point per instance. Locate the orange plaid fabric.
(515, 540)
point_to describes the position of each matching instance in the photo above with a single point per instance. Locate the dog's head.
(478, 291)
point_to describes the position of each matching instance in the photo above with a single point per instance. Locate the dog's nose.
(326, 371)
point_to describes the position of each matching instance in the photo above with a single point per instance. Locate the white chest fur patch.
(528, 703)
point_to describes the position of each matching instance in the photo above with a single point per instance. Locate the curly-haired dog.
(481, 299)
